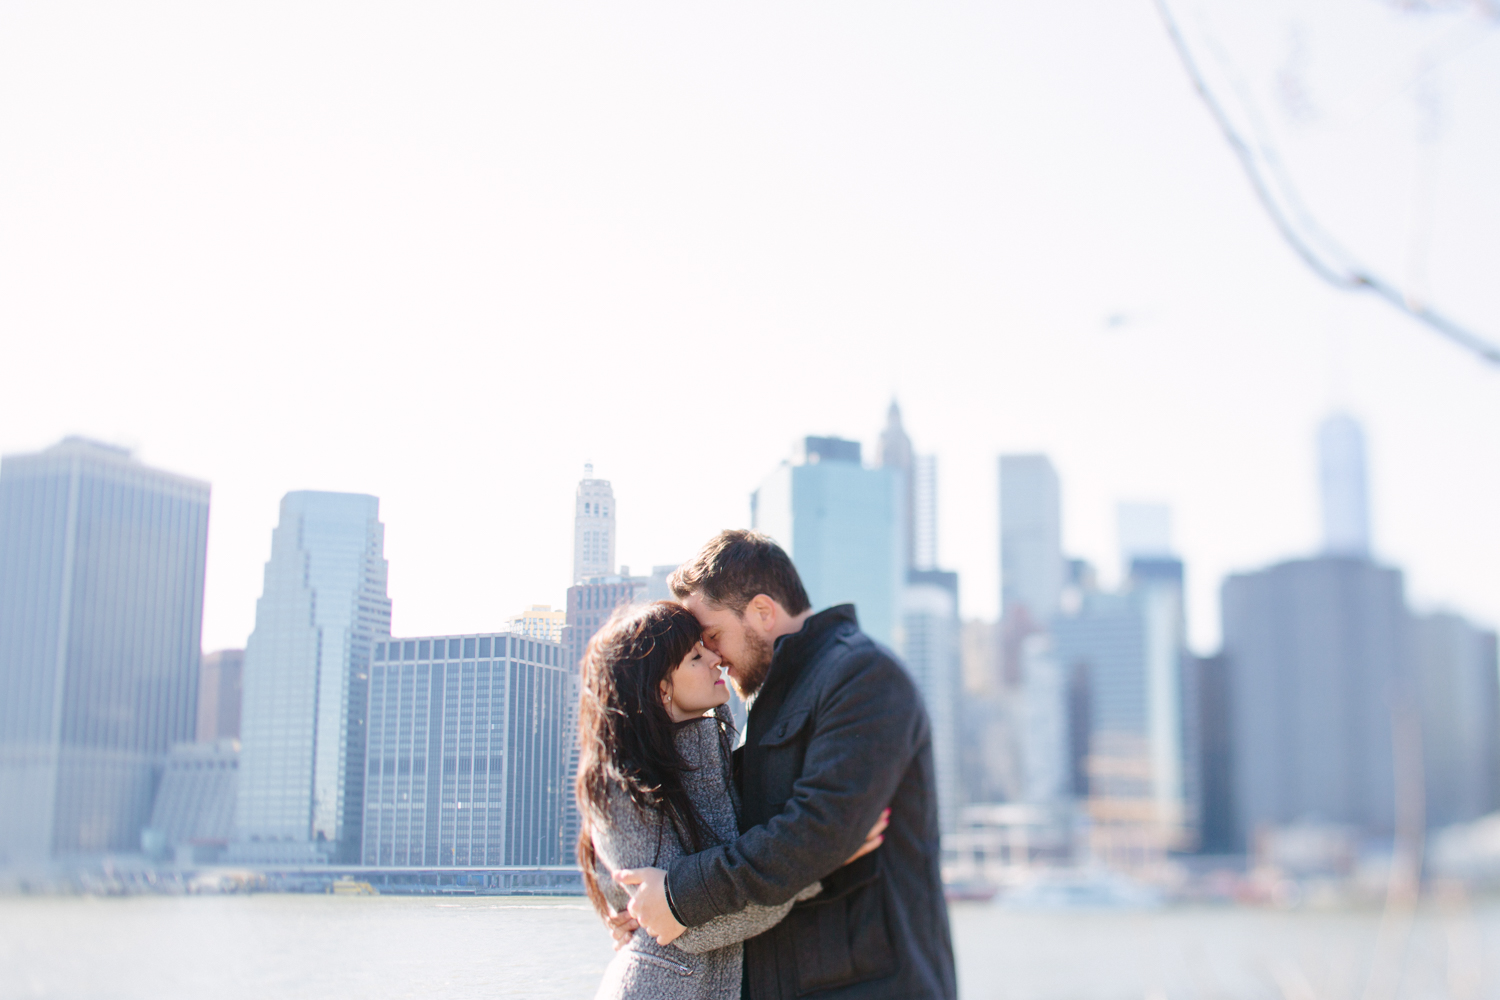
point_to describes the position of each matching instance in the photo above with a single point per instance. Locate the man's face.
(745, 652)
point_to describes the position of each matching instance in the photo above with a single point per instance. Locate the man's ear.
(765, 611)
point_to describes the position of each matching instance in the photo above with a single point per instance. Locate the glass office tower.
(101, 617)
(301, 795)
(467, 762)
(1317, 659)
(842, 525)
(1121, 655)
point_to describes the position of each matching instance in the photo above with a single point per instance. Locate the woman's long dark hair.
(626, 738)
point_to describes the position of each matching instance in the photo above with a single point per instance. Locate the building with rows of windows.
(306, 667)
(467, 754)
(101, 608)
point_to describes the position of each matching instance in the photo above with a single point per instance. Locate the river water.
(374, 948)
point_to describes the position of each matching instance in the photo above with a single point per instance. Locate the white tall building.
(1343, 484)
(1031, 560)
(306, 677)
(593, 528)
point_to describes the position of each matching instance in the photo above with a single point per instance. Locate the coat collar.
(793, 651)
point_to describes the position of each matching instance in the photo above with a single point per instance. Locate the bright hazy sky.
(445, 254)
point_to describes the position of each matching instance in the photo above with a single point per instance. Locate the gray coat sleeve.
(633, 838)
(867, 731)
(752, 920)
(626, 838)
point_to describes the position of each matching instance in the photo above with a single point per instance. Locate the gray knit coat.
(705, 961)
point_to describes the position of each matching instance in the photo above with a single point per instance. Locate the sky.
(447, 253)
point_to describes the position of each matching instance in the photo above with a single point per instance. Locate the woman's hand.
(874, 838)
(622, 927)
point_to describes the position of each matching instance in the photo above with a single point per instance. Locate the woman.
(654, 784)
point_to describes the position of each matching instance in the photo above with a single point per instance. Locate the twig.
(1349, 276)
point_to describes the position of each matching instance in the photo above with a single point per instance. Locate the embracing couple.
(804, 863)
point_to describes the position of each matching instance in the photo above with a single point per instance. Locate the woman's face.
(696, 685)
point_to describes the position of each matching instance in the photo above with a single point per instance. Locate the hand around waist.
(648, 902)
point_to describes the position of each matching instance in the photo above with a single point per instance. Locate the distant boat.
(1082, 890)
(349, 887)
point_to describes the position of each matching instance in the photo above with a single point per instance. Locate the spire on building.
(895, 452)
(895, 447)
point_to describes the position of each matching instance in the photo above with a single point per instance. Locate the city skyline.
(1109, 695)
(1202, 598)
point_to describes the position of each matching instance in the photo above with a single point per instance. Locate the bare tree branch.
(1350, 275)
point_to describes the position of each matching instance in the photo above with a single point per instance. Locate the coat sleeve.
(868, 728)
(732, 927)
(625, 837)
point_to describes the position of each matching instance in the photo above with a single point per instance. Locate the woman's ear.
(666, 691)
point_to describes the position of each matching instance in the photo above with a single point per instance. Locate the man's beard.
(751, 674)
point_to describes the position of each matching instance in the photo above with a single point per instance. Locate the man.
(836, 733)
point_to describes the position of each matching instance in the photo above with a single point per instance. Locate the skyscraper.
(467, 758)
(928, 636)
(1343, 484)
(924, 518)
(593, 528)
(1212, 755)
(101, 616)
(1458, 694)
(840, 522)
(929, 642)
(1031, 559)
(917, 490)
(301, 792)
(1125, 649)
(591, 604)
(895, 453)
(1316, 650)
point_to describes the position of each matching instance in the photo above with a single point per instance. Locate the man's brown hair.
(736, 565)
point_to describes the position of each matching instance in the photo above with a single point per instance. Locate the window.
(484, 648)
(424, 649)
(468, 648)
(453, 645)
